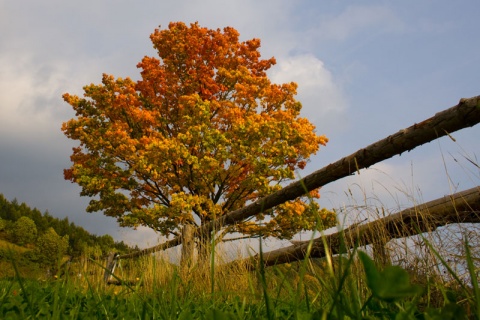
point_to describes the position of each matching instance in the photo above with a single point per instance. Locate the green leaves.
(24, 231)
(393, 283)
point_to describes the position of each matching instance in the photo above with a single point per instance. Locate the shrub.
(51, 248)
(24, 231)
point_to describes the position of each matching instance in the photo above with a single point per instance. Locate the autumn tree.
(202, 133)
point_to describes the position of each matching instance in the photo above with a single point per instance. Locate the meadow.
(350, 286)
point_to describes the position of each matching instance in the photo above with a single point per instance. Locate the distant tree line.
(48, 236)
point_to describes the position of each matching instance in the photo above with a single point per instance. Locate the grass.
(6, 245)
(349, 287)
(422, 284)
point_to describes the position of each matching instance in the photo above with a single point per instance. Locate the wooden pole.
(458, 208)
(110, 268)
(163, 246)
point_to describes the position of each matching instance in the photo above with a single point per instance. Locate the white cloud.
(322, 98)
(30, 95)
(58, 47)
(142, 236)
(20, 86)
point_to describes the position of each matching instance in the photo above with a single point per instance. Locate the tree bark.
(461, 207)
(163, 246)
(188, 247)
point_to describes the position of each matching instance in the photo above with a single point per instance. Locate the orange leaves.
(292, 217)
(203, 132)
(294, 207)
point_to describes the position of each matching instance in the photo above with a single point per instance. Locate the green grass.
(345, 288)
(352, 286)
(349, 287)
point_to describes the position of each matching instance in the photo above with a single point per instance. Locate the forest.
(39, 242)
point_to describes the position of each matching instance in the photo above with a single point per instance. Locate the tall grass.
(351, 286)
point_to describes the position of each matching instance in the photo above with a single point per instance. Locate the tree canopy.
(202, 133)
(24, 231)
(51, 247)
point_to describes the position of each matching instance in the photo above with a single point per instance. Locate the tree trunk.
(188, 246)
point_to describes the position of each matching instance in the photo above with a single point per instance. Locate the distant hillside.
(27, 232)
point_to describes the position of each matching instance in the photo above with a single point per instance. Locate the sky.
(365, 70)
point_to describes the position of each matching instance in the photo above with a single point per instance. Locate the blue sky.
(365, 69)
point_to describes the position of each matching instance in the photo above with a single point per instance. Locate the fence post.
(110, 268)
(188, 246)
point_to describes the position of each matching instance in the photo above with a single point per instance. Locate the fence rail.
(461, 207)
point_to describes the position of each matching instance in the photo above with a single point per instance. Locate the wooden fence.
(465, 114)
(461, 207)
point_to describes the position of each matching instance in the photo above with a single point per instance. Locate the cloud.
(70, 47)
(142, 236)
(32, 109)
(322, 98)
(26, 89)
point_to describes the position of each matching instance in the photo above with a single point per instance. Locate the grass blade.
(473, 277)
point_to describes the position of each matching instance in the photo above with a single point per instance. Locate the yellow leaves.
(248, 227)
(182, 205)
(322, 140)
(327, 217)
